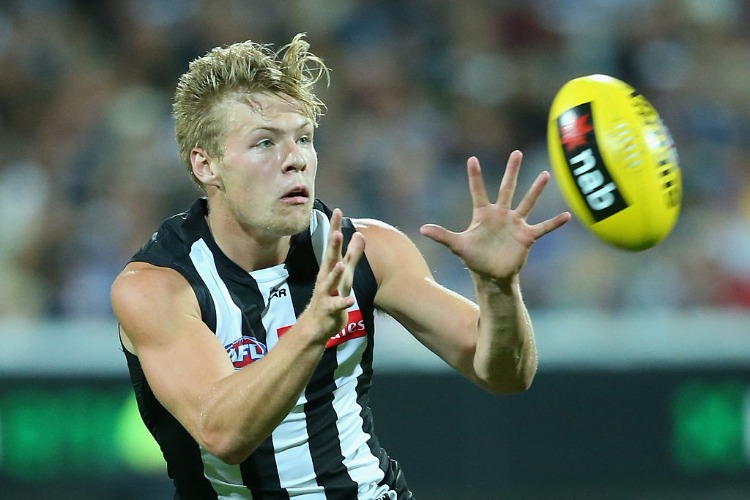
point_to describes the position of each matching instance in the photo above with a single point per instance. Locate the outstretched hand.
(497, 242)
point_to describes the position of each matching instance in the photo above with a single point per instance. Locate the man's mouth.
(298, 194)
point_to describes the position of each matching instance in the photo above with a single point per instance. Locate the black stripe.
(324, 442)
(260, 469)
(365, 289)
(303, 269)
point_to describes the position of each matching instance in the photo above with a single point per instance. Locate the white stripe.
(225, 479)
(293, 458)
(228, 315)
(280, 309)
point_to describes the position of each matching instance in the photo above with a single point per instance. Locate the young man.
(247, 322)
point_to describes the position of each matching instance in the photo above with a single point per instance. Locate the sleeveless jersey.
(325, 447)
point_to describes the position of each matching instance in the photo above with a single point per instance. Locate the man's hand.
(496, 244)
(326, 313)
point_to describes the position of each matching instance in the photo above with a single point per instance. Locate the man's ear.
(204, 168)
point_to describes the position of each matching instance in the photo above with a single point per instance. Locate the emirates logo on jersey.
(355, 328)
(245, 350)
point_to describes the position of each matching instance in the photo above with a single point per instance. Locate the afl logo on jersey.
(245, 350)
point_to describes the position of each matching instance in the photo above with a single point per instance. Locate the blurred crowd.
(89, 165)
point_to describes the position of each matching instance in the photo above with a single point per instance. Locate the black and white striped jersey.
(325, 447)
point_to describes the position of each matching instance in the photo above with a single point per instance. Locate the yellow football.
(614, 161)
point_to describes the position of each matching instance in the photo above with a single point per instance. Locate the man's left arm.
(491, 342)
(505, 358)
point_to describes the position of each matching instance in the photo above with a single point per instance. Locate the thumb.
(439, 234)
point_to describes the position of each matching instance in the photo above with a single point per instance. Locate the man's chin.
(294, 221)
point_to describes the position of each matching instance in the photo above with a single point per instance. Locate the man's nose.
(294, 159)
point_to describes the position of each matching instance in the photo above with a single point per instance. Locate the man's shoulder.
(143, 286)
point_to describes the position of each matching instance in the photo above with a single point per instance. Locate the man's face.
(267, 174)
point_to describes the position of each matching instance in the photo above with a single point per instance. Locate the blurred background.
(644, 357)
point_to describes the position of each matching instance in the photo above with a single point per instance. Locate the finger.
(332, 284)
(477, 188)
(344, 302)
(332, 253)
(332, 279)
(550, 225)
(336, 219)
(510, 178)
(353, 253)
(439, 234)
(355, 249)
(335, 242)
(529, 200)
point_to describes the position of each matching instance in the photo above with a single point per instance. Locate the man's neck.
(245, 249)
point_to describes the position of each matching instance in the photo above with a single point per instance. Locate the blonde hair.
(241, 68)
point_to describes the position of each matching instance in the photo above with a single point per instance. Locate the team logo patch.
(245, 350)
(355, 328)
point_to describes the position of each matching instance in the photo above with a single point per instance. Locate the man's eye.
(265, 143)
(305, 139)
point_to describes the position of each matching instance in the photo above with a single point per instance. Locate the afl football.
(614, 161)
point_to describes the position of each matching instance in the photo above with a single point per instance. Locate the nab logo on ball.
(585, 163)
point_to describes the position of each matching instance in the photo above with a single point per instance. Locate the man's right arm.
(229, 412)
